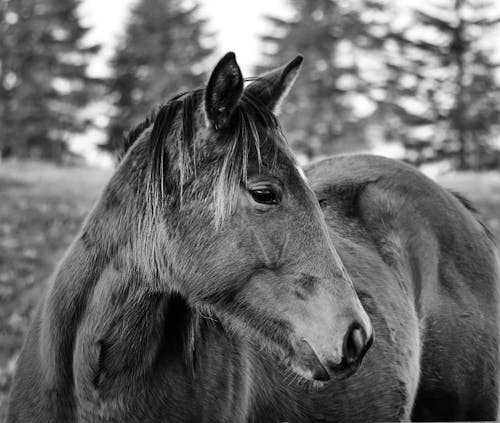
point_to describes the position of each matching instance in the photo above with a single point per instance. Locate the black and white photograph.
(234, 211)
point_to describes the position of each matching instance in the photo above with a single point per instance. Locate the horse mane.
(174, 150)
(131, 136)
(469, 205)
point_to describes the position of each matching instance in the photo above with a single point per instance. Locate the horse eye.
(264, 195)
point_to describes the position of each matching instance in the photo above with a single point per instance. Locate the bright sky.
(237, 25)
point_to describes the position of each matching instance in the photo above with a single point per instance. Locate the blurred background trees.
(163, 52)
(44, 86)
(433, 86)
(325, 113)
(442, 93)
(428, 83)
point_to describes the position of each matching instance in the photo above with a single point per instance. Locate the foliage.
(442, 97)
(43, 80)
(163, 53)
(322, 114)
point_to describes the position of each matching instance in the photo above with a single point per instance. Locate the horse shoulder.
(61, 311)
(27, 386)
(43, 382)
(116, 343)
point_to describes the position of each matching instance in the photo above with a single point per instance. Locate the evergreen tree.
(43, 79)
(163, 53)
(322, 115)
(442, 97)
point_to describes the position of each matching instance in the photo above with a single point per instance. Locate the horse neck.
(107, 291)
(198, 361)
(107, 242)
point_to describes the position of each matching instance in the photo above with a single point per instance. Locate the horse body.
(447, 269)
(230, 378)
(225, 300)
(132, 359)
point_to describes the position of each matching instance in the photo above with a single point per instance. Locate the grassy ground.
(41, 209)
(483, 189)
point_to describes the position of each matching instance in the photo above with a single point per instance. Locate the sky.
(237, 25)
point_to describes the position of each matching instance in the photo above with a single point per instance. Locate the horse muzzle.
(319, 364)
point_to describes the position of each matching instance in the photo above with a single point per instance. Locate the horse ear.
(223, 91)
(272, 87)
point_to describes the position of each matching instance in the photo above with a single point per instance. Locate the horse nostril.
(355, 343)
(320, 373)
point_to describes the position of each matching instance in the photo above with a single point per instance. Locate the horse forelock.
(178, 144)
(253, 137)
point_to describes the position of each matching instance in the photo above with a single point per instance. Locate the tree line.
(425, 78)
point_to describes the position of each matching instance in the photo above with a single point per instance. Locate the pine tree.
(321, 116)
(43, 80)
(442, 97)
(163, 53)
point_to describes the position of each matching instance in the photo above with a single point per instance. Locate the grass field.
(41, 209)
(483, 189)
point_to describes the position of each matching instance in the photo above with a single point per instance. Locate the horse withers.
(204, 284)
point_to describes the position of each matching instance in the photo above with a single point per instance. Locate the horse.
(442, 262)
(214, 281)
(204, 267)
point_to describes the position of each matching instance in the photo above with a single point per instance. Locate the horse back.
(446, 263)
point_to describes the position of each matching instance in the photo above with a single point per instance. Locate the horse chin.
(295, 372)
(308, 366)
(301, 365)
(307, 376)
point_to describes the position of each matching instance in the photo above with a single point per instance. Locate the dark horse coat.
(207, 285)
(442, 265)
(426, 273)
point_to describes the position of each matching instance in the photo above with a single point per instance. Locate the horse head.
(238, 231)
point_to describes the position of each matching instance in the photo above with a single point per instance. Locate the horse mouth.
(306, 363)
(299, 358)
